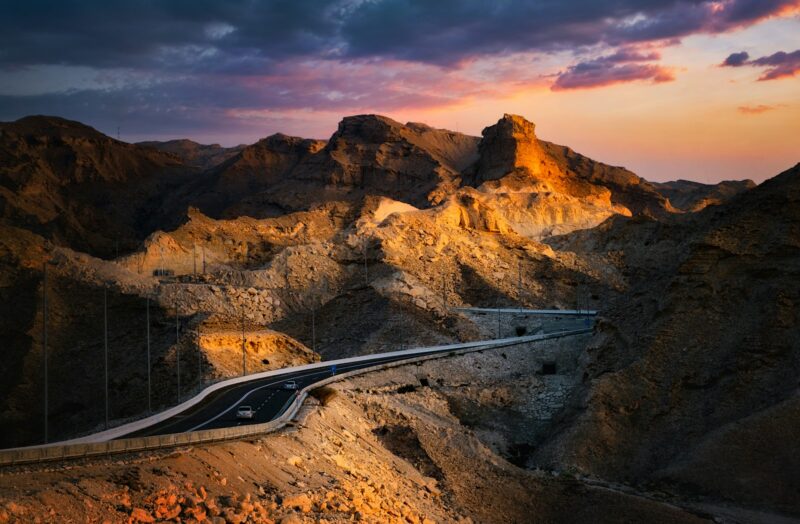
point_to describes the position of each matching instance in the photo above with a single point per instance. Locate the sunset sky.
(704, 90)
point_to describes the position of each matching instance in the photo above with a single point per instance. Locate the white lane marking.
(209, 421)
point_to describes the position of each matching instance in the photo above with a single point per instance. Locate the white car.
(245, 412)
(290, 384)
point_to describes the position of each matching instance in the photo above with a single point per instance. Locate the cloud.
(756, 109)
(778, 65)
(185, 65)
(625, 65)
(736, 59)
(249, 36)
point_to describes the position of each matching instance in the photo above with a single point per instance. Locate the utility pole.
(105, 344)
(149, 387)
(178, 346)
(244, 361)
(519, 281)
(44, 348)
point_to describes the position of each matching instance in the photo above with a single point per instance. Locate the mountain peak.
(370, 128)
(508, 146)
(46, 125)
(516, 125)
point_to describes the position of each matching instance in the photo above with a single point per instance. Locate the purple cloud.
(625, 65)
(736, 59)
(194, 61)
(778, 65)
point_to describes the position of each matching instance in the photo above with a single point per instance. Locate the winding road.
(268, 397)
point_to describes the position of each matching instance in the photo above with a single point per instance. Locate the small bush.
(323, 394)
(408, 388)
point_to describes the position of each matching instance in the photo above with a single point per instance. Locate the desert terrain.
(680, 406)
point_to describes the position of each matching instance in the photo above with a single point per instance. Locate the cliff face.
(693, 375)
(372, 237)
(78, 187)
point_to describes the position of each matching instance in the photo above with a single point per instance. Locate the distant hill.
(194, 154)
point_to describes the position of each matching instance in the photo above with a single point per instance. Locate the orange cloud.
(757, 109)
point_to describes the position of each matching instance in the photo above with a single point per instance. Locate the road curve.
(269, 399)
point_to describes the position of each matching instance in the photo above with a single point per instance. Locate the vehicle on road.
(245, 412)
(290, 384)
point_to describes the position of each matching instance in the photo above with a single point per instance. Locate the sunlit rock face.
(508, 146)
(386, 223)
(522, 183)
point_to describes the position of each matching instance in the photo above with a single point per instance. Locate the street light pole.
(149, 385)
(366, 268)
(178, 347)
(244, 361)
(497, 303)
(44, 346)
(199, 357)
(444, 292)
(313, 329)
(105, 344)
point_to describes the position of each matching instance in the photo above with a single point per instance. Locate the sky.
(692, 89)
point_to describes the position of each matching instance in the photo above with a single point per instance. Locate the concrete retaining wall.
(73, 450)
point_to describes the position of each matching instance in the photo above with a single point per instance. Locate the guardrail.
(520, 311)
(81, 448)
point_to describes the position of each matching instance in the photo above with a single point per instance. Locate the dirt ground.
(384, 447)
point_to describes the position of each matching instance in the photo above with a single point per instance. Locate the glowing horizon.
(703, 91)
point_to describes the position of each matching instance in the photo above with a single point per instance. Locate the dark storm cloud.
(248, 36)
(200, 34)
(446, 31)
(778, 65)
(162, 65)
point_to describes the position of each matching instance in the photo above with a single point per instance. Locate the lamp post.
(244, 360)
(366, 268)
(44, 348)
(149, 367)
(105, 346)
(178, 346)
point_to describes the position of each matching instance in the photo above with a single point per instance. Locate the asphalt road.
(266, 396)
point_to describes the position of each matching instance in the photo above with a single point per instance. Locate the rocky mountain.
(688, 195)
(372, 238)
(692, 378)
(71, 184)
(191, 153)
